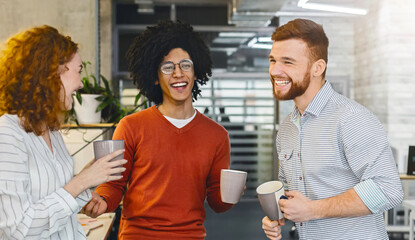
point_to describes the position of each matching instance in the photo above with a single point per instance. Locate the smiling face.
(289, 69)
(70, 74)
(176, 87)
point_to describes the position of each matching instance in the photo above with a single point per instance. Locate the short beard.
(297, 88)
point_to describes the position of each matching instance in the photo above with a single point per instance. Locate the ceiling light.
(301, 3)
(262, 46)
(236, 34)
(330, 8)
(145, 6)
(308, 14)
(252, 42)
(264, 39)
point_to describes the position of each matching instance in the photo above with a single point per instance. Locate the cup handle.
(283, 197)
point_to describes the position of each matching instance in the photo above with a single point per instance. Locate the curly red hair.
(30, 83)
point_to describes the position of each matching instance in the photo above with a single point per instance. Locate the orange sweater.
(170, 172)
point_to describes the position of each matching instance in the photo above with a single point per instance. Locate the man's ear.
(157, 82)
(318, 68)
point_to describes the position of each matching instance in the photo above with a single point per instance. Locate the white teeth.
(179, 84)
(282, 82)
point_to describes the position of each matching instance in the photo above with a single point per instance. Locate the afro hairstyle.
(151, 46)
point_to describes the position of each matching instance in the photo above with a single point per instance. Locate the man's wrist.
(105, 202)
(316, 207)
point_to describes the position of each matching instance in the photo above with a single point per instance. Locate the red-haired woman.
(39, 197)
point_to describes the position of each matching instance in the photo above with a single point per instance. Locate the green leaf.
(105, 81)
(112, 110)
(102, 105)
(79, 97)
(100, 98)
(137, 97)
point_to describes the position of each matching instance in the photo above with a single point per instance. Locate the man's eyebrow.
(288, 58)
(283, 58)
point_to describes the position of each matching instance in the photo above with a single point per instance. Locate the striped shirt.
(336, 145)
(33, 202)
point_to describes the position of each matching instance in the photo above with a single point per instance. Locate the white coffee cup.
(232, 184)
(269, 193)
(105, 147)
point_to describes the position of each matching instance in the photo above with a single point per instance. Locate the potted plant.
(95, 102)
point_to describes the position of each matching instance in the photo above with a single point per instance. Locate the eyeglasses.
(168, 68)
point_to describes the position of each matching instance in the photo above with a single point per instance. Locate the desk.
(96, 125)
(410, 204)
(102, 232)
(404, 176)
(405, 227)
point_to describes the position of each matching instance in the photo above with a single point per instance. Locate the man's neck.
(182, 111)
(302, 102)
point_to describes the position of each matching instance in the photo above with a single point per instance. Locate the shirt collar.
(295, 114)
(317, 104)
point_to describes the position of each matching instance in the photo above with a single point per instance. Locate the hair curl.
(30, 84)
(151, 46)
(308, 31)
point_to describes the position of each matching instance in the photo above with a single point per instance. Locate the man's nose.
(276, 70)
(177, 71)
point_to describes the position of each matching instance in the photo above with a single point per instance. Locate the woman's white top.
(33, 203)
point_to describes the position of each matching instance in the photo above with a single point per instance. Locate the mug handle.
(283, 197)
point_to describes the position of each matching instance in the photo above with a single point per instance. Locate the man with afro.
(175, 154)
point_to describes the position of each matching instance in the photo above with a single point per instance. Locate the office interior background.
(371, 60)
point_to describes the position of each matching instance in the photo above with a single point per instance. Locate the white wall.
(75, 18)
(384, 70)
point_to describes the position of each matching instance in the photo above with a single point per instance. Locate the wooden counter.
(404, 176)
(97, 125)
(101, 232)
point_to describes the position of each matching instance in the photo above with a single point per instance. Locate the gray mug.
(105, 147)
(269, 193)
(232, 183)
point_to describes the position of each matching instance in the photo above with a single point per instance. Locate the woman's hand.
(101, 171)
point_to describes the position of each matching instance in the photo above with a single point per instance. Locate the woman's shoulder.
(9, 119)
(10, 123)
(11, 133)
